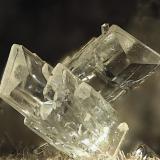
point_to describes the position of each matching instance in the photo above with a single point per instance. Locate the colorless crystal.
(70, 105)
(114, 63)
(65, 111)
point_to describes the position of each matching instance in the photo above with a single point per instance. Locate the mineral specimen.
(65, 111)
(71, 105)
(114, 63)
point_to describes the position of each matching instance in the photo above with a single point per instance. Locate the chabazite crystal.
(71, 105)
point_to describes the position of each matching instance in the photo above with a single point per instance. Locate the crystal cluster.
(114, 63)
(71, 105)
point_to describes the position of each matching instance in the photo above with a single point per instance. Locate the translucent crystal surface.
(65, 111)
(23, 81)
(70, 105)
(114, 63)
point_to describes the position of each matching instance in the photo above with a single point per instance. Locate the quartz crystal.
(71, 105)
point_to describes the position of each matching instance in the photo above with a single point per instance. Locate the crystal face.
(65, 111)
(114, 63)
(23, 81)
(71, 105)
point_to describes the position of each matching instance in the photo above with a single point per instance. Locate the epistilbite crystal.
(65, 111)
(114, 63)
(23, 82)
(71, 105)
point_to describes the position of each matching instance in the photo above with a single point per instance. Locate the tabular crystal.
(70, 105)
(66, 112)
(114, 63)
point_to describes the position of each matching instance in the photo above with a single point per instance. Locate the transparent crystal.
(70, 105)
(114, 63)
(23, 82)
(66, 112)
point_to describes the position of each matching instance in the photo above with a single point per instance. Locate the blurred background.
(56, 28)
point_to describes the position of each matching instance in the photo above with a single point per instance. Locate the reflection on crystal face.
(23, 81)
(114, 63)
(65, 111)
(70, 105)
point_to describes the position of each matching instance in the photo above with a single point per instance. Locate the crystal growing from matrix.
(72, 105)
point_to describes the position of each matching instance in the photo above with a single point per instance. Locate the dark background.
(55, 28)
